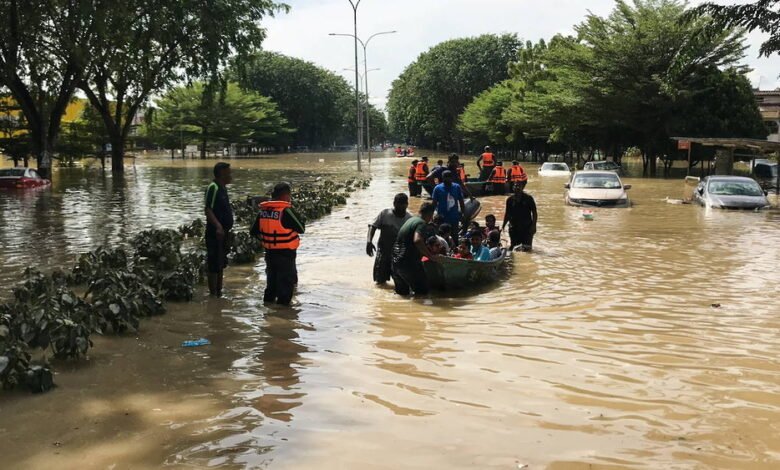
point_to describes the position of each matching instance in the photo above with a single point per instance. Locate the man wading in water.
(219, 222)
(521, 216)
(388, 222)
(408, 250)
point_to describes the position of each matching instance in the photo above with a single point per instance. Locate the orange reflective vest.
(273, 234)
(462, 174)
(421, 173)
(499, 175)
(488, 159)
(517, 174)
(410, 176)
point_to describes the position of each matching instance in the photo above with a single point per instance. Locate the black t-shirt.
(404, 249)
(218, 201)
(520, 210)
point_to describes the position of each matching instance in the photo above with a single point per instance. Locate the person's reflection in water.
(280, 359)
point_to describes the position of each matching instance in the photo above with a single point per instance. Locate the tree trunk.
(117, 153)
(652, 160)
(203, 147)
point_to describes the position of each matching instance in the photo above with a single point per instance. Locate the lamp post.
(365, 67)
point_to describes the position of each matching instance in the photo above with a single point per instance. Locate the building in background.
(769, 105)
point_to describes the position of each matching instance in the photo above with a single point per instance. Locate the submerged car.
(603, 166)
(554, 169)
(597, 189)
(11, 178)
(730, 192)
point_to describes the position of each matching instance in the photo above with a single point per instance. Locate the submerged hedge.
(111, 290)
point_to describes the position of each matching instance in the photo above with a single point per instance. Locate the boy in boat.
(388, 222)
(490, 225)
(462, 251)
(409, 248)
(494, 244)
(522, 217)
(478, 251)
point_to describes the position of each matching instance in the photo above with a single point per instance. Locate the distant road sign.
(683, 144)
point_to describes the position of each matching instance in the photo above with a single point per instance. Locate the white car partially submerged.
(597, 189)
(555, 169)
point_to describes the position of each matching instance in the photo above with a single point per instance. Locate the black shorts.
(216, 253)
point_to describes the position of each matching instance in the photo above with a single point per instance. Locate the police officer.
(488, 161)
(278, 227)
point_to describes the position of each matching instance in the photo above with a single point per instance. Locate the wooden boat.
(453, 273)
(475, 188)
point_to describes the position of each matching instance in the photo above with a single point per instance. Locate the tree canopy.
(426, 101)
(234, 116)
(763, 15)
(317, 102)
(633, 78)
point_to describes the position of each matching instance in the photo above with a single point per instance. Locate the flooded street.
(600, 350)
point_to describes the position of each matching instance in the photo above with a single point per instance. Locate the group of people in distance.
(441, 228)
(494, 176)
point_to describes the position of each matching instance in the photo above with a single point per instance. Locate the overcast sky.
(422, 24)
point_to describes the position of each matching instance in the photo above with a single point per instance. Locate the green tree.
(14, 135)
(763, 15)
(426, 101)
(44, 51)
(317, 102)
(482, 122)
(140, 47)
(234, 116)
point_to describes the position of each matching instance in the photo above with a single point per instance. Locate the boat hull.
(453, 273)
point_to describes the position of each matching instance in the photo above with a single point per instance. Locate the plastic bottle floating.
(195, 343)
(587, 214)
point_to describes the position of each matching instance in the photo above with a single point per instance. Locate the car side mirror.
(626, 187)
(700, 191)
(567, 186)
(766, 193)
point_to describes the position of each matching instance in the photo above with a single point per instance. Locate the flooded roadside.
(602, 348)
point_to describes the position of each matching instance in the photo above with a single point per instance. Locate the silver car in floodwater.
(730, 192)
(597, 189)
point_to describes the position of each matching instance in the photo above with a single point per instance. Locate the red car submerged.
(13, 178)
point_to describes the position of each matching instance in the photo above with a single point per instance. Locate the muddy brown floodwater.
(601, 350)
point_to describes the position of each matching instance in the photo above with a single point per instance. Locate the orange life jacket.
(410, 176)
(499, 175)
(420, 174)
(517, 174)
(488, 159)
(462, 174)
(274, 235)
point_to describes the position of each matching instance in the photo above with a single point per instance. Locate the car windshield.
(597, 181)
(12, 172)
(555, 167)
(735, 188)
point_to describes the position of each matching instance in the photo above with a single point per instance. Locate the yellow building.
(10, 115)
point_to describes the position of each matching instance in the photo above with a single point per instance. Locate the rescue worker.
(388, 222)
(421, 174)
(279, 229)
(488, 161)
(462, 176)
(498, 178)
(219, 222)
(411, 180)
(517, 173)
(522, 218)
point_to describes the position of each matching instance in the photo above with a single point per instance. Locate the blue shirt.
(447, 202)
(480, 253)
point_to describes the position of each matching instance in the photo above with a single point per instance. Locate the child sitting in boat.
(462, 250)
(490, 225)
(445, 232)
(494, 244)
(435, 246)
(479, 251)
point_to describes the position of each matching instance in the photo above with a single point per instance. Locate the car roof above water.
(729, 178)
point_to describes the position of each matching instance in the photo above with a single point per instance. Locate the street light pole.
(365, 67)
(355, 5)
